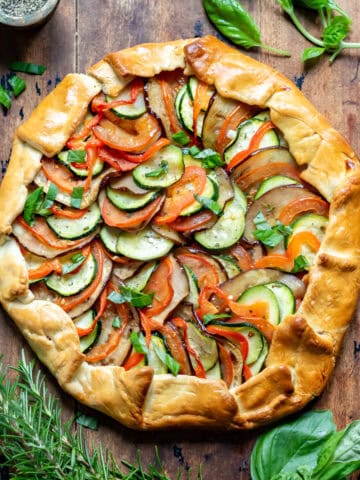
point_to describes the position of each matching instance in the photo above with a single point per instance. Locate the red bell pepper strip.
(75, 141)
(175, 344)
(236, 336)
(71, 213)
(205, 272)
(102, 307)
(247, 372)
(45, 269)
(199, 368)
(136, 87)
(142, 157)
(115, 159)
(149, 325)
(298, 240)
(134, 359)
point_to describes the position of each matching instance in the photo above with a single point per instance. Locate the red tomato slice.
(115, 159)
(193, 222)
(257, 175)
(301, 206)
(60, 175)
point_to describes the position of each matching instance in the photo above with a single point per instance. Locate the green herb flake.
(26, 67)
(267, 235)
(76, 197)
(87, 421)
(5, 99)
(300, 264)
(117, 322)
(138, 342)
(76, 260)
(17, 84)
(132, 296)
(33, 205)
(210, 317)
(164, 167)
(209, 158)
(194, 150)
(76, 156)
(209, 204)
(181, 138)
(50, 197)
(167, 359)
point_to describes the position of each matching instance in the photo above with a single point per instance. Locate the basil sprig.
(267, 235)
(308, 448)
(36, 204)
(236, 24)
(132, 296)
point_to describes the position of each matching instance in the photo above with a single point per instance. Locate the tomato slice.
(257, 175)
(205, 272)
(160, 284)
(114, 217)
(60, 175)
(301, 206)
(193, 222)
(181, 194)
(71, 213)
(147, 130)
(158, 145)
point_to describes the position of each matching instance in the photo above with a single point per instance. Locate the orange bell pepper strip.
(160, 284)
(166, 92)
(91, 148)
(256, 175)
(298, 240)
(254, 145)
(193, 222)
(282, 262)
(302, 205)
(243, 258)
(71, 213)
(181, 194)
(149, 325)
(240, 113)
(102, 307)
(114, 217)
(205, 272)
(45, 269)
(137, 86)
(227, 369)
(199, 368)
(134, 359)
(76, 141)
(236, 336)
(140, 158)
(68, 303)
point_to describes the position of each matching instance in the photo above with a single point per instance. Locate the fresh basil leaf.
(336, 31)
(26, 67)
(234, 22)
(117, 322)
(270, 236)
(167, 359)
(87, 421)
(300, 264)
(76, 261)
(138, 342)
(194, 150)
(17, 84)
(287, 6)
(260, 222)
(76, 197)
(181, 138)
(50, 196)
(209, 204)
(291, 446)
(76, 156)
(5, 99)
(32, 205)
(312, 52)
(285, 230)
(340, 455)
(209, 317)
(129, 295)
(209, 158)
(164, 167)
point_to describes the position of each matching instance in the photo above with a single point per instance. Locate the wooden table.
(79, 34)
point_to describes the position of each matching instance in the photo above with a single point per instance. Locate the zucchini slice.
(69, 229)
(73, 283)
(193, 296)
(153, 360)
(140, 279)
(274, 182)
(173, 157)
(132, 110)
(245, 132)
(261, 294)
(215, 372)
(256, 366)
(85, 321)
(109, 237)
(143, 245)
(178, 99)
(229, 264)
(128, 201)
(80, 172)
(285, 298)
(204, 346)
(230, 226)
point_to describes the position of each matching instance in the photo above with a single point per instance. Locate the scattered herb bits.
(27, 67)
(17, 84)
(5, 99)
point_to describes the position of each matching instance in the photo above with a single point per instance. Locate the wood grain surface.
(79, 34)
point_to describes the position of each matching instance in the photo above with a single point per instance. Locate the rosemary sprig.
(37, 445)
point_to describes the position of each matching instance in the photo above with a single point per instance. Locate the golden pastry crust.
(305, 345)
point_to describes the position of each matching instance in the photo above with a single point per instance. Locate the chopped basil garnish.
(76, 261)
(209, 158)
(50, 196)
(209, 317)
(76, 156)
(33, 205)
(167, 359)
(26, 67)
(138, 342)
(76, 197)
(209, 204)
(181, 137)
(164, 166)
(87, 421)
(129, 295)
(194, 150)
(117, 322)
(5, 99)
(270, 236)
(300, 264)
(17, 84)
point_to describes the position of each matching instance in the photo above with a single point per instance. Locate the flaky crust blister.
(304, 347)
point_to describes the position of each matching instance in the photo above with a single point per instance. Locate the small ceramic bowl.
(33, 19)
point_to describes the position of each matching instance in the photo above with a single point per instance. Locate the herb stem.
(303, 31)
(350, 44)
(284, 53)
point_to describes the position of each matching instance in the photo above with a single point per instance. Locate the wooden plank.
(82, 32)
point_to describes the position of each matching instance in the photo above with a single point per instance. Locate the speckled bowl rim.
(32, 19)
